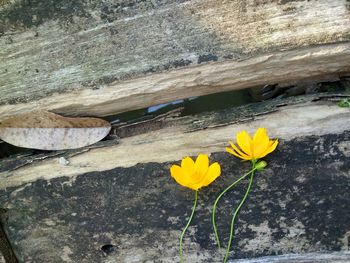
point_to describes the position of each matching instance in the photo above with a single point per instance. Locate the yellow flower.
(252, 148)
(195, 175)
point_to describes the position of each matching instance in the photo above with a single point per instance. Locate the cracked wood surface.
(188, 136)
(122, 196)
(335, 257)
(104, 57)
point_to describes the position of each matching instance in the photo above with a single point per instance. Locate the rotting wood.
(335, 257)
(123, 196)
(169, 119)
(99, 57)
(135, 127)
(139, 211)
(89, 49)
(194, 81)
(21, 160)
(188, 137)
(172, 118)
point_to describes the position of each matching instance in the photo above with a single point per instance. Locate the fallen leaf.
(48, 131)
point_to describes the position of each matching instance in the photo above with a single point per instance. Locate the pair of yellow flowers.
(198, 174)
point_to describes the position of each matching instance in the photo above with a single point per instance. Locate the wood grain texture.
(335, 257)
(104, 57)
(118, 203)
(206, 133)
(283, 67)
(298, 205)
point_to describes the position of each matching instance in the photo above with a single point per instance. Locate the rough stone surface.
(6, 253)
(298, 204)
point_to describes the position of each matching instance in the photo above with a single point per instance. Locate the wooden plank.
(336, 257)
(187, 137)
(283, 67)
(119, 203)
(100, 58)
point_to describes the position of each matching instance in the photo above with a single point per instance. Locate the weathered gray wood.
(123, 195)
(298, 204)
(100, 57)
(188, 136)
(336, 257)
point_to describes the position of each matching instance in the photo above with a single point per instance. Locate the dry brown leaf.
(48, 131)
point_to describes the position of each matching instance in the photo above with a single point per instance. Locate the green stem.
(188, 223)
(237, 210)
(217, 200)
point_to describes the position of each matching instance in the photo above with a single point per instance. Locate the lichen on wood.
(140, 210)
(88, 49)
(126, 207)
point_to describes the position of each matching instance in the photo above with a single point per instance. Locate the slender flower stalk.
(237, 210)
(217, 201)
(251, 149)
(188, 223)
(194, 175)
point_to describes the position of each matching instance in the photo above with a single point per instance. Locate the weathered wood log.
(119, 204)
(102, 57)
(96, 57)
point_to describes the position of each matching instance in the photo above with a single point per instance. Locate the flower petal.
(187, 164)
(195, 175)
(179, 176)
(213, 172)
(271, 142)
(229, 150)
(259, 135)
(260, 143)
(271, 148)
(239, 151)
(244, 142)
(201, 165)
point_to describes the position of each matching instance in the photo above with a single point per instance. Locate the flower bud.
(260, 165)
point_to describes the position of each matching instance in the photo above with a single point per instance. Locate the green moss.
(344, 103)
(25, 13)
